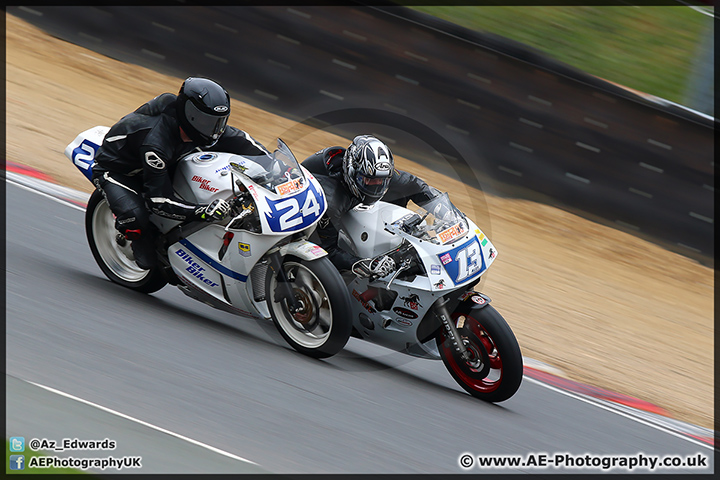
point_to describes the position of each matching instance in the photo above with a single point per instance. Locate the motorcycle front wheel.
(494, 370)
(322, 326)
(113, 253)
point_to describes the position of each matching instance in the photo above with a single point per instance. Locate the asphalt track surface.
(200, 379)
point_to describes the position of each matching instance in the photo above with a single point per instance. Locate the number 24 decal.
(290, 218)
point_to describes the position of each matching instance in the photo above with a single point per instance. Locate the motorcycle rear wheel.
(495, 369)
(114, 257)
(323, 325)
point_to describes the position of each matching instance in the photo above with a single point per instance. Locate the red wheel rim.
(477, 340)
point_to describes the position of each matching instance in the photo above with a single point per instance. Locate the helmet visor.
(372, 187)
(208, 126)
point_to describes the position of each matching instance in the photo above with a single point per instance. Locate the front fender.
(472, 300)
(303, 249)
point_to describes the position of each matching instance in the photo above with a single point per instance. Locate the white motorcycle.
(257, 262)
(427, 307)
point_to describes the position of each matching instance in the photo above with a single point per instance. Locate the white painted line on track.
(146, 424)
(628, 225)
(416, 56)
(216, 58)
(530, 122)
(288, 39)
(540, 100)
(651, 167)
(701, 217)
(344, 64)
(226, 28)
(332, 95)
(299, 13)
(595, 122)
(90, 37)
(640, 192)
(659, 144)
(63, 202)
(354, 35)
(408, 80)
(265, 94)
(31, 11)
(587, 147)
(576, 177)
(468, 104)
(510, 171)
(618, 412)
(164, 27)
(153, 54)
(521, 147)
(278, 64)
(479, 78)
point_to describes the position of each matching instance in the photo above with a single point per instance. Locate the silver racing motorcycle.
(256, 263)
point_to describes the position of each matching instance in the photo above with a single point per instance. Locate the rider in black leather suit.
(136, 160)
(363, 173)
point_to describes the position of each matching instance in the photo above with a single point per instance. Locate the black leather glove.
(216, 211)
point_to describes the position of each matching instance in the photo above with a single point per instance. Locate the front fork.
(284, 290)
(443, 314)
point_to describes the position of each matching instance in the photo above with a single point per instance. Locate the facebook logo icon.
(17, 462)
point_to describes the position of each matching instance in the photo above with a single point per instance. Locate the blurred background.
(520, 118)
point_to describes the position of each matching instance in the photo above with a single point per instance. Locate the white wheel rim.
(119, 259)
(321, 321)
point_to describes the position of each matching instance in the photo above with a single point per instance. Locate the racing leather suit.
(135, 163)
(326, 166)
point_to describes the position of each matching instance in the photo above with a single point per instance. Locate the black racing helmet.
(203, 109)
(367, 167)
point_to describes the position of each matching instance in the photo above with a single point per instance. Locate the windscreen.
(437, 221)
(280, 172)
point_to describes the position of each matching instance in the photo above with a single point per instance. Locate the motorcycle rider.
(135, 162)
(364, 172)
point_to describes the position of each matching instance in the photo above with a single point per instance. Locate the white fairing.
(449, 265)
(203, 177)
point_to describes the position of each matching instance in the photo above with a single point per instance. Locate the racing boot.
(143, 249)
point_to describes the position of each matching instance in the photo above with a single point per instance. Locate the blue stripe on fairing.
(220, 268)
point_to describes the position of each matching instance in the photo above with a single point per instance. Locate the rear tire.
(323, 326)
(115, 258)
(495, 370)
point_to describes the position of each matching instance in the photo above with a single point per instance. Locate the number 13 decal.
(464, 262)
(469, 261)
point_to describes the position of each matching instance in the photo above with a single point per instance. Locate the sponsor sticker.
(403, 322)
(492, 252)
(412, 301)
(405, 313)
(289, 187)
(204, 183)
(451, 233)
(445, 259)
(478, 299)
(435, 270)
(244, 249)
(439, 285)
(367, 306)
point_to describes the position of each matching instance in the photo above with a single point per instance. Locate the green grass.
(650, 49)
(29, 471)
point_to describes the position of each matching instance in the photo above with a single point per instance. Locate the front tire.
(323, 325)
(495, 369)
(113, 255)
